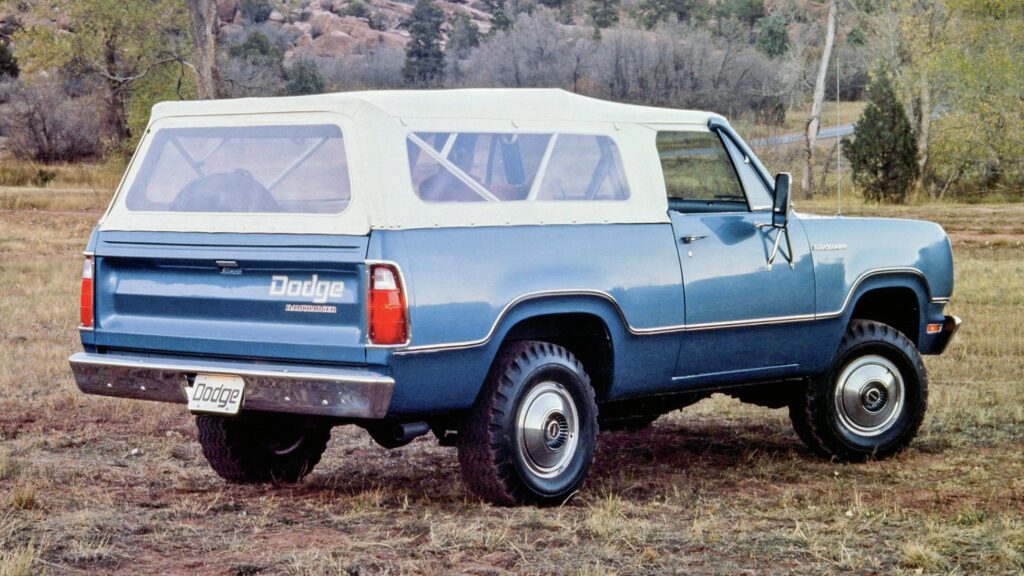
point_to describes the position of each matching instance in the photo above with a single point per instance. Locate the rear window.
(503, 167)
(270, 169)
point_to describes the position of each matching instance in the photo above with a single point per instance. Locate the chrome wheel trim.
(547, 429)
(869, 395)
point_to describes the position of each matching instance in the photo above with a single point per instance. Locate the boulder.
(226, 10)
(276, 16)
(297, 29)
(324, 23)
(304, 41)
(333, 44)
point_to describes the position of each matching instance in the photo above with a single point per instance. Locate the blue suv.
(510, 270)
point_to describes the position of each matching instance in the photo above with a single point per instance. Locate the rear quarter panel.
(467, 288)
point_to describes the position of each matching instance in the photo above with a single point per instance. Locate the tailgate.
(259, 296)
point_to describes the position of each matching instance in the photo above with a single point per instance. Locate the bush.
(257, 10)
(45, 125)
(883, 153)
(303, 78)
(356, 9)
(772, 37)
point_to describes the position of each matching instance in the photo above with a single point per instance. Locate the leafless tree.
(814, 123)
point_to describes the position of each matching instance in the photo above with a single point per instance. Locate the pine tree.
(424, 60)
(604, 13)
(883, 153)
(465, 36)
(773, 37)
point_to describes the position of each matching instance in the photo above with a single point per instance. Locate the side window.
(584, 168)
(758, 194)
(698, 172)
(503, 167)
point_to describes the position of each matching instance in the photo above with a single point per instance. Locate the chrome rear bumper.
(338, 392)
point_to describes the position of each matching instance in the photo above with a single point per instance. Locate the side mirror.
(780, 210)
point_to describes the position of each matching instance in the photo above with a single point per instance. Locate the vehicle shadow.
(676, 455)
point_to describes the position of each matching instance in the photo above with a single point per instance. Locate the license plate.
(217, 393)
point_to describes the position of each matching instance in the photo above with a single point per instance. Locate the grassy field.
(91, 485)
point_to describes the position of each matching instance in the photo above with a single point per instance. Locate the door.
(743, 316)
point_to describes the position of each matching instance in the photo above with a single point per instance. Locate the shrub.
(772, 37)
(883, 153)
(45, 125)
(257, 10)
(303, 78)
(356, 9)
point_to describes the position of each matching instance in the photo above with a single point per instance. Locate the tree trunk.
(807, 180)
(203, 21)
(924, 126)
(117, 116)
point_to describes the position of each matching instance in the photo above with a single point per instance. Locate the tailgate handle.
(228, 267)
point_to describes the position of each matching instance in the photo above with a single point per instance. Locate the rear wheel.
(262, 447)
(871, 401)
(532, 434)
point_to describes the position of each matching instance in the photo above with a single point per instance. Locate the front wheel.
(871, 401)
(532, 434)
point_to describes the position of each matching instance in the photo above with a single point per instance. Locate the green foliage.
(501, 15)
(465, 36)
(356, 9)
(257, 10)
(857, 36)
(257, 49)
(8, 65)
(746, 11)
(773, 36)
(604, 13)
(978, 139)
(883, 153)
(118, 44)
(651, 12)
(43, 177)
(424, 59)
(303, 78)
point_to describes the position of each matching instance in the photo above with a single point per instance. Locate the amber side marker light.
(85, 296)
(387, 313)
(934, 328)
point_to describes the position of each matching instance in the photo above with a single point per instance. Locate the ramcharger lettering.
(509, 271)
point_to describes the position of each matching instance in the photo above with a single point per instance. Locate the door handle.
(691, 238)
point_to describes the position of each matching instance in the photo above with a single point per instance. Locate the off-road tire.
(258, 447)
(492, 464)
(815, 414)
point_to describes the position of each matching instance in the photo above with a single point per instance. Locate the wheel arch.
(897, 299)
(589, 326)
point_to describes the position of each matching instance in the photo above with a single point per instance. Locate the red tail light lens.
(85, 296)
(387, 314)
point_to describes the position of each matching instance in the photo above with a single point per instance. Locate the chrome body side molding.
(673, 328)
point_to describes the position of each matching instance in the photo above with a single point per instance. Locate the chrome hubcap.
(869, 395)
(547, 429)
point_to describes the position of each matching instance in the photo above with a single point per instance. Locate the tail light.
(387, 313)
(85, 296)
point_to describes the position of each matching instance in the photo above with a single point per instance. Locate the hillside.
(332, 28)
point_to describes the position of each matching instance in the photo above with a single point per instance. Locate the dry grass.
(720, 488)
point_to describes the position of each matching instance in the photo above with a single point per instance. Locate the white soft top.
(375, 126)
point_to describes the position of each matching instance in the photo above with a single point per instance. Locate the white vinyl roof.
(480, 103)
(376, 126)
